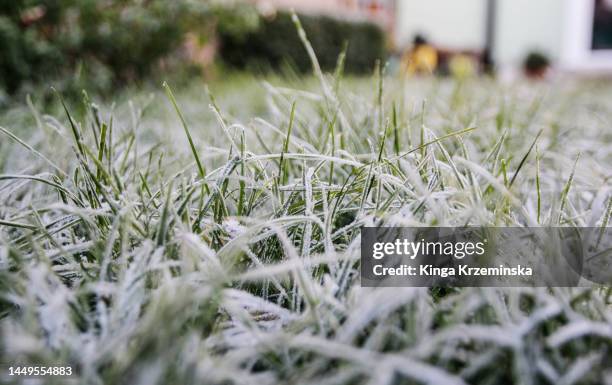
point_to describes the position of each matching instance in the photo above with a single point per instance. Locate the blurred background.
(103, 45)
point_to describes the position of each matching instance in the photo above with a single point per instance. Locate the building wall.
(339, 8)
(526, 25)
(577, 55)
(452, 24)
(558, 28)
(318, 6)
(521, 26)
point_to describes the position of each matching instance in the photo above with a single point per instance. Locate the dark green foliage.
(536, 61)
(23, 52)
(107, 43)
(131, 39)
(276, 43)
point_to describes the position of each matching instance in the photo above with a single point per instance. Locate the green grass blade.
(186, 129)
(522, 163)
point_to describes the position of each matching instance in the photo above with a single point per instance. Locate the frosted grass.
(126, 256)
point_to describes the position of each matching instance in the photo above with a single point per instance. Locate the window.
(602, 25)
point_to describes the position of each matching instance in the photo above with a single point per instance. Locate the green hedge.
(97, 45)
(276, 43)
(107, 42)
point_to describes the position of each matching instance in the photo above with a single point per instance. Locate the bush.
(50, 39)
(536, 61)
(276, 43)
(131, 39)
(24, 54)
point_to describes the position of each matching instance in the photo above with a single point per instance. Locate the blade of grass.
(162, 229)
(18, 224)
(538, 188)
(75, 129)
(522, 163)
(282, 171)
(32, 150)
(604, 222)
(194, 151)
(450, 135)
(567, 187)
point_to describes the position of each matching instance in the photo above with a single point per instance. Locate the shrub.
(130, 39)
(276, 43)
(49, 39)
(535, 62)
(24, 54)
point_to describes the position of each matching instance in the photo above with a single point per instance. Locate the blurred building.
(575, 34)
(381, 12)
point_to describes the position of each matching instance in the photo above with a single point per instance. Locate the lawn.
(211, 235)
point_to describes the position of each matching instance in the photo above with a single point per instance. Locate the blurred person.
(421, 59)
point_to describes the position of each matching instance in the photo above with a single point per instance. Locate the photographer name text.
(451, 271)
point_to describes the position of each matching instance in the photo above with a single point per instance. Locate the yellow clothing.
(422, 59)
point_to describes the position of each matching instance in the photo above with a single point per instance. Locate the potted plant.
(536, 65)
